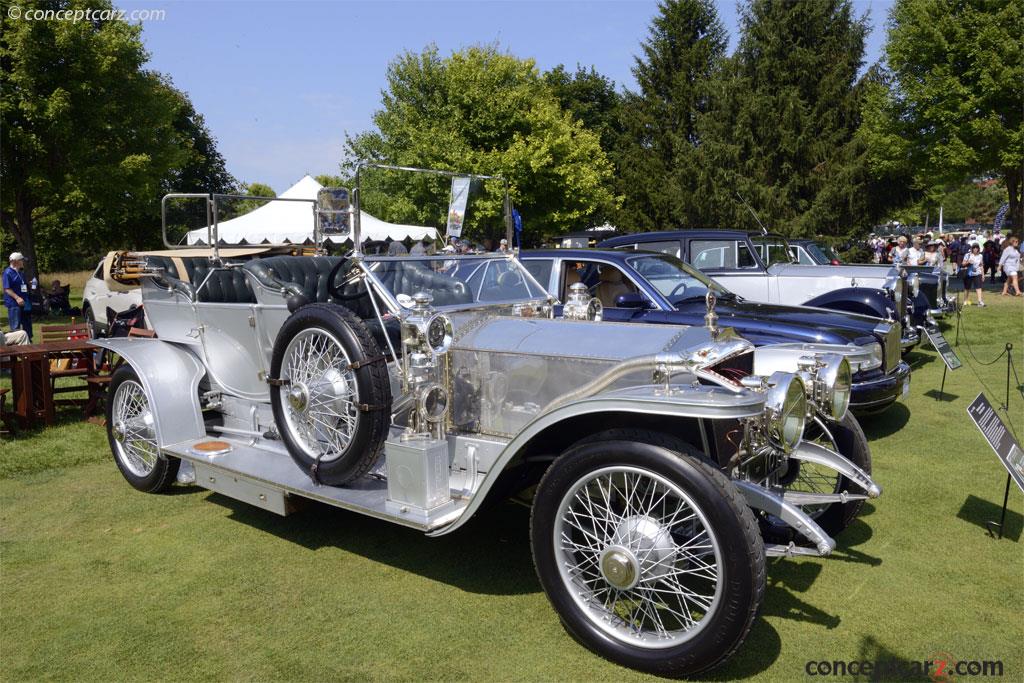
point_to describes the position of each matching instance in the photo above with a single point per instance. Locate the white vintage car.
(412, 389)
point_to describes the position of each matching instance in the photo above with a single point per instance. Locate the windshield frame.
(720, 290)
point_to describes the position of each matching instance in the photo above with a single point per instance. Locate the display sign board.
(998, 437)
(940, 344)
(457, 206)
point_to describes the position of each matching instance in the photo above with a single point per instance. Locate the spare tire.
(330, 392)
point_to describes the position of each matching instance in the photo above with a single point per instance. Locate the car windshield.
(457, 281)
(772, 249)
(676, 281)
(822, 253)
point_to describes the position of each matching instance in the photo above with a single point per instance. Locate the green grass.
(100, 582)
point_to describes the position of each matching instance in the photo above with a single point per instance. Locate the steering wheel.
(335, 290)
(460, 287)
(676, 289)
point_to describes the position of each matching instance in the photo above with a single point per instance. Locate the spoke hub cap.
(298, 396)
(648, 543)
(619, 567)
(118, 431)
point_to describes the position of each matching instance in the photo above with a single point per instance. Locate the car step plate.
(267, 479)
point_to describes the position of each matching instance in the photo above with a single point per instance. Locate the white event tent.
(292, 222)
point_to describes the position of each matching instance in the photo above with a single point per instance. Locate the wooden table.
(30, 376)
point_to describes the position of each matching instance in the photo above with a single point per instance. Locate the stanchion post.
(956, 342)
(1009, 362)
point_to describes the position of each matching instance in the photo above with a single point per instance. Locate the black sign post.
(949, 358)
(1005, 446)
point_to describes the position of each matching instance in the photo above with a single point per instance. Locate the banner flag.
(457, 206)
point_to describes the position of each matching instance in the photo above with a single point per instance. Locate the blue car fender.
(862, 300)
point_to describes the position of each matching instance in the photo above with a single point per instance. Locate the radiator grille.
(893, 351)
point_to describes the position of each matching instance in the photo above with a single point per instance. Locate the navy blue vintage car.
(650, 287)
(761, 268)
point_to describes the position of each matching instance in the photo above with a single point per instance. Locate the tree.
(656, 160)
(952, 106)
(781, 129)
(91, 139)
(486, 112)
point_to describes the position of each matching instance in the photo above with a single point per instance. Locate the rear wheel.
(649, 555)
(131, 432)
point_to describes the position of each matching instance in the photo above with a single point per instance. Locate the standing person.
(1009, 263)
(932, 257)
(990, 255)
(915, 254)
(899, 253)
(974, 267)
(16, 295)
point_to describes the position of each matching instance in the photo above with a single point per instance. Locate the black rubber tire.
(372, 384)
(166, 468)
(743, 570)
(853, 445)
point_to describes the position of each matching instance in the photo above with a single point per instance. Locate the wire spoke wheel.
(638, 556)
(320, 396)
(133, 429)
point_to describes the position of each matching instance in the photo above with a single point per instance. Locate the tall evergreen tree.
(656, 161)
(780, 130)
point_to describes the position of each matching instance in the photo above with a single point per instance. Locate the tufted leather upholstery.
(224, 285)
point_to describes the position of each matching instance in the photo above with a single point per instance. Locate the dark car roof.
(673, 235)
(609, 254)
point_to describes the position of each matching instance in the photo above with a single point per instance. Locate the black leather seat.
(222, 285)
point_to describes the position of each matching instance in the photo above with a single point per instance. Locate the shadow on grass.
(886, 423)
(943, 396)
(918, 358)
(979, 512)
(490, 555)
(888, 665)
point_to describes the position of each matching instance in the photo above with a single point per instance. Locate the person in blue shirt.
(16, 295)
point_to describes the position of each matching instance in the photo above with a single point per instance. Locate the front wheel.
(131, 432)
(649, 555)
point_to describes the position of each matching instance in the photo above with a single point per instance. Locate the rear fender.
(170, 374)
(863, 300)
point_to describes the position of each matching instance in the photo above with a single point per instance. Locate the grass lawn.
(100, 582)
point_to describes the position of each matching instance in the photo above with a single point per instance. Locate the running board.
(270, 479)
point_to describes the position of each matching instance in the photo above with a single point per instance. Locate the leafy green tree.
(90, 138)
(480, 111)
(781, 127)
(656, 162)
(952, 106)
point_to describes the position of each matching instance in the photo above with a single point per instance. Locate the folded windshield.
(676, 281)
(457, 281)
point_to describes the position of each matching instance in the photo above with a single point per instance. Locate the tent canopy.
(292, 222)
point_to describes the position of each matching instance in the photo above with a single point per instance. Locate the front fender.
(170, 374)
(691, 402)
(863, 300)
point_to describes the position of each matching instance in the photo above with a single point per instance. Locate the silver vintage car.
(413, 389)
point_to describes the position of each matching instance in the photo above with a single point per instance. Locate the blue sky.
(280, 83)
